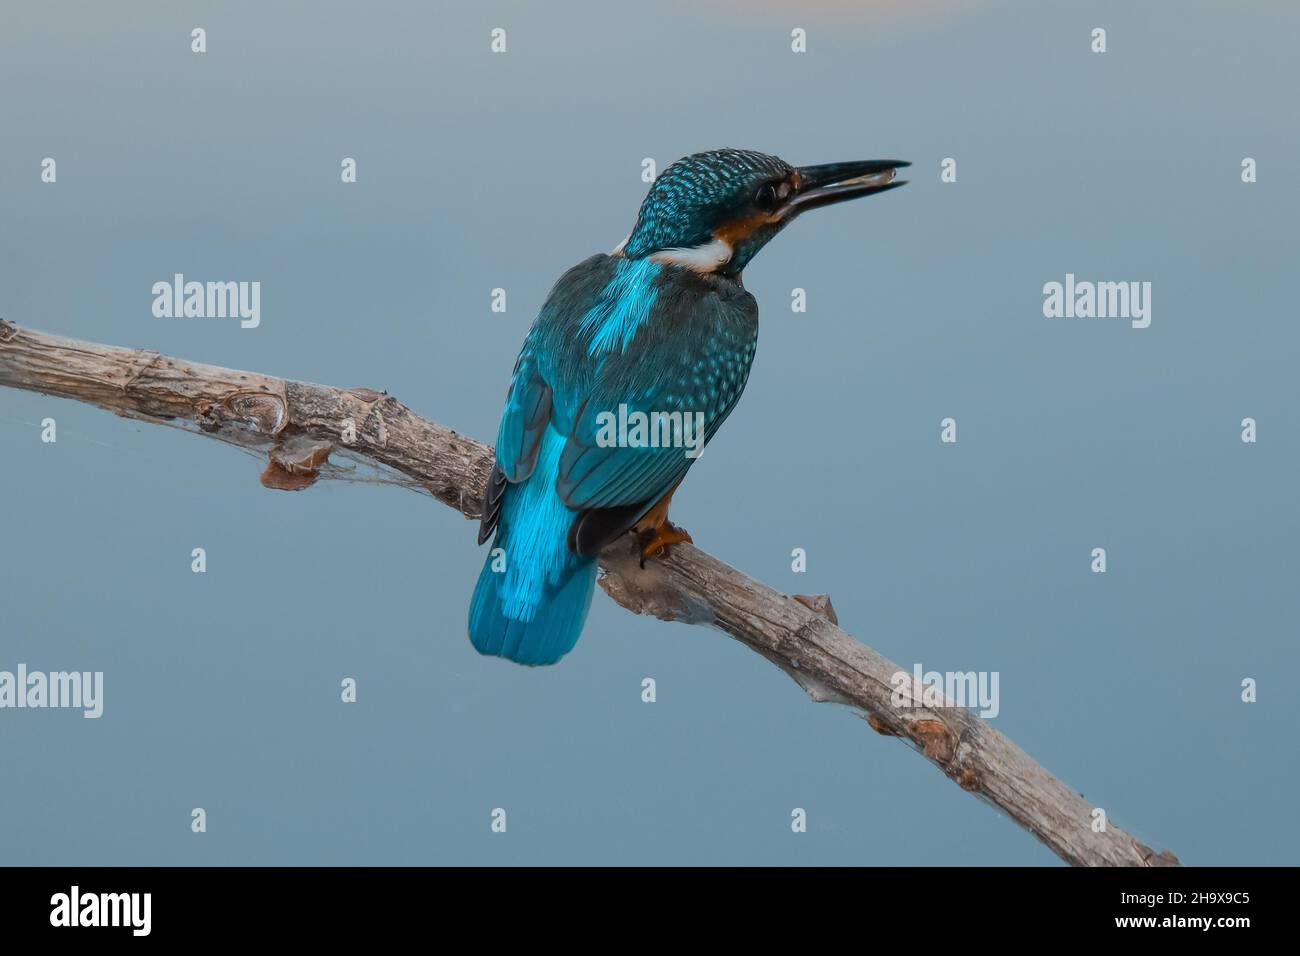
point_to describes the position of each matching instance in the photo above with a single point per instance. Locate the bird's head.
(713, 211)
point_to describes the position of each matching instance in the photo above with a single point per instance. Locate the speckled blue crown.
(684, 202)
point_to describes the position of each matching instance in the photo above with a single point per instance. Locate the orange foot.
(657, 541)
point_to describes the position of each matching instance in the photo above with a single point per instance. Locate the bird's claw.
(657, 541)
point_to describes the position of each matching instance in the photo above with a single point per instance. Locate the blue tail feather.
(550, 633)
(533, 593)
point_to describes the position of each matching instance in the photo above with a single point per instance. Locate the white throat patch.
(706, 258)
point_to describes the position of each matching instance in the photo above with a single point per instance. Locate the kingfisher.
(661, 327)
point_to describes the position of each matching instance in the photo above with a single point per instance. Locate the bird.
(661, 326)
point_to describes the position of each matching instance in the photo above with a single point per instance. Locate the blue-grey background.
(480, 170)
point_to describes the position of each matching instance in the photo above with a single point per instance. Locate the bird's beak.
(836, 182)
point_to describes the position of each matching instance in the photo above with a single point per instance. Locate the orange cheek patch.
(738, 230)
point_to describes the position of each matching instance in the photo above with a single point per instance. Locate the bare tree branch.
(301, 425)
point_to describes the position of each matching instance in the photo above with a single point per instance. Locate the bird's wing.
(692, 356)
(528, 409)
(530, 402)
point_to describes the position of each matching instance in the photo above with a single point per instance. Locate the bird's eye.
(766, 197)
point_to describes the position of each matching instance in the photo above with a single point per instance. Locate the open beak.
(835, 182)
